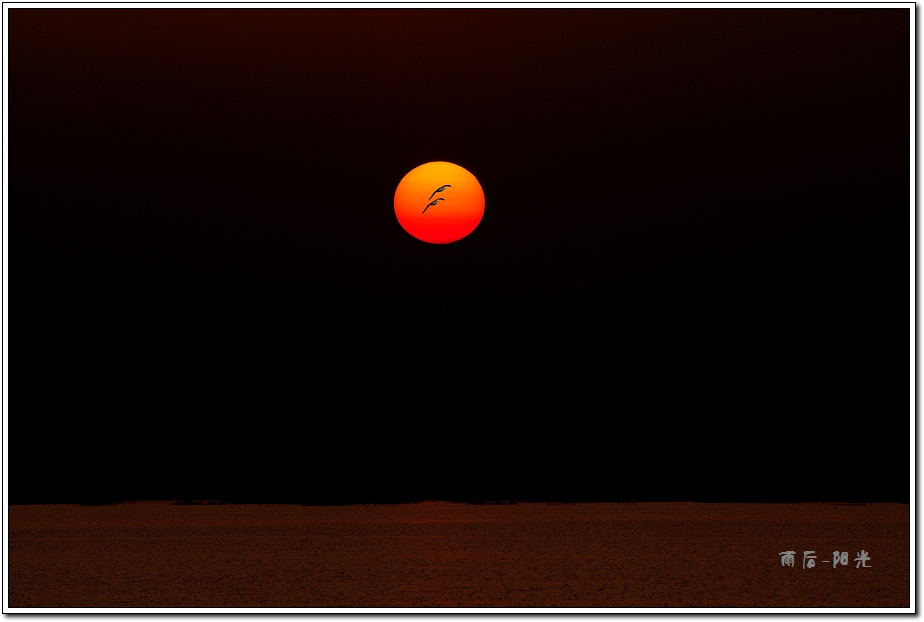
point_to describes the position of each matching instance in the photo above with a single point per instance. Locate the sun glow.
(439, 202)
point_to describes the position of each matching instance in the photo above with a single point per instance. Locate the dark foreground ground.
(455, 555)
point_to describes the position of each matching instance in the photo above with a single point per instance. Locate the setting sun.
(439, 202)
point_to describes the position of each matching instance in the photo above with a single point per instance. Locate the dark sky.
(691, 281)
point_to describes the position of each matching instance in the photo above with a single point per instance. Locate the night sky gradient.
(691, 281)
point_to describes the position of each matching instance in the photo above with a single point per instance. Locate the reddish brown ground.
(451, 555)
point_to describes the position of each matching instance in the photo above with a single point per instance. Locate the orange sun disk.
(439, 202)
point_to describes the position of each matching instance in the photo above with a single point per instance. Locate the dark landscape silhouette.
(437, 554)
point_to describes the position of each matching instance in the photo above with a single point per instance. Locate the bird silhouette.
(440, 189)
(434, 202)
